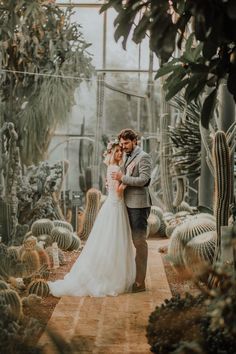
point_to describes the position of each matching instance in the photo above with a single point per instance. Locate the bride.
(106, 265)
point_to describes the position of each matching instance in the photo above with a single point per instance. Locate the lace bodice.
(111, 183)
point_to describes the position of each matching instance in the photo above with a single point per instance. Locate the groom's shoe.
(137, 288)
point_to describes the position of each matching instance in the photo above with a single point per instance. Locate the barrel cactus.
(154, 224)
(62, 236)
(10, 297)
(42, 227)
(199, 251)
(93, 197)
(75, 244)
(65, 224)
(13, 253)
(157, 211)
(3, 285)
(39, 287)
(43, 256)
(46, 239)
(183, 233)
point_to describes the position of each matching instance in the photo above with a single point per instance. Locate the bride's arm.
(120, 189)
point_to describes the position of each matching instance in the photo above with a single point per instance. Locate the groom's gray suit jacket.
(137, 174)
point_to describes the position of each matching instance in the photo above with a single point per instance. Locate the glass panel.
(117, 57)
(92, 29)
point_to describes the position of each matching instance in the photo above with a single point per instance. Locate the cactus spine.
(223, 185)
(30, 260)
(75, 244)
(61, 223)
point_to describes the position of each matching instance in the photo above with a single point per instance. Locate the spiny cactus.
(10, 297)
(61, 256)
(42, 227)
(3, 285)
(31, 301)
(30, 260)
(62, 236)
(183, 233)
(180, 186)
(46, 239)
(43, 256)
(39, 287)
(154, 224)
(13, 253)
(162, 229)
(223, 184)
(29, 243)
(157, 211)
(184, 206)
(65, 224)
(91, 209)
(199, 251)
(75, 244)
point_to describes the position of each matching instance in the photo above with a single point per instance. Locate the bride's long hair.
(110, 152)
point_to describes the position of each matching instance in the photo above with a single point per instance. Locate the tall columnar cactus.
(200, 251)
(39, 287)
(223, 184)
(11, 298)
(183, 233)
(166, 181)
(93, 197)
(62, 236)
(62, 260)
(180, 190)
(42, 227)
(30, 260)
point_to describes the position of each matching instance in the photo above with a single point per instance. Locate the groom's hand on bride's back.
(117, 176)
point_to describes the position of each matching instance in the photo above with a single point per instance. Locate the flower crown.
(111, 144)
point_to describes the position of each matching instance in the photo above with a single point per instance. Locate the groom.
(136, 176)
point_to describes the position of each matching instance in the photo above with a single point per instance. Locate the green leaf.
(208, 108)
(166, 69)
(176, 88)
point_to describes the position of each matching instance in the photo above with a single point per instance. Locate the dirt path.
(111, 324)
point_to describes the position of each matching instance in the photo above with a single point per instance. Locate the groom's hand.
(117, 176)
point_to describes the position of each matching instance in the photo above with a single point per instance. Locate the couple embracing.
(107, 264)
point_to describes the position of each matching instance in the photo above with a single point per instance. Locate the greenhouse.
(117, 170)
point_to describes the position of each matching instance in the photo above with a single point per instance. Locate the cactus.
(61, 256)
(184, 206)
(93, 197)
(39, 287)
(162, 229)
(154, 224)
(30, 243)
(62, 236)
(200, 251)
(157, 211)
(61, 223)
(3, 285)
(46, 239)
(183, 233)
(31, 301)
(75, 244)
(13, 253)
(42, 227)
(179, 197)
(11, 298)
(43, 256)
(30, 260)
(223, 185)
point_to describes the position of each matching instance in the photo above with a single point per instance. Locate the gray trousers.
(138, 223)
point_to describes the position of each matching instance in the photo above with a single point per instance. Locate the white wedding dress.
(106, 265)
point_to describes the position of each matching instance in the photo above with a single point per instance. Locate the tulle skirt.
(106, 265)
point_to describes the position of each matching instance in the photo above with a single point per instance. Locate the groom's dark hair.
(128, 134)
